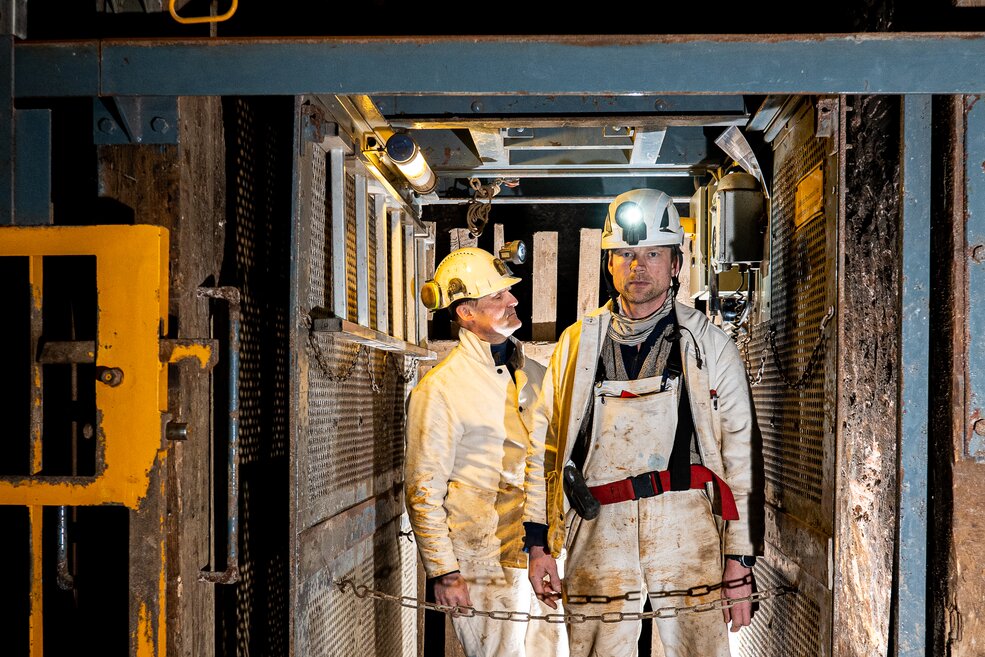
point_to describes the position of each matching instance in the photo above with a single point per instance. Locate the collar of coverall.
(478, 349)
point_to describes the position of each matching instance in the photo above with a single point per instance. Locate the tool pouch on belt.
(580, 498)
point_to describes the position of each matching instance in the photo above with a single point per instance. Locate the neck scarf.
(629, 331)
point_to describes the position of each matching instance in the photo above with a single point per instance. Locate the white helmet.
(642, 217)
(468, 273)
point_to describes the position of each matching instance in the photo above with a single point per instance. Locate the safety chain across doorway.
(362, 591)
(805, 376)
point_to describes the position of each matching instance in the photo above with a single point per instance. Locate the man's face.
(492, 317)
(642, 275)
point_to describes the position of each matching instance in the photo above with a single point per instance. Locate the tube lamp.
(404, 152)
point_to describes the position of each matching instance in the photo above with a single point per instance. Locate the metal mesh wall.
(792, 420)
(254, 613)
(786, 625)
(349, 453)
(789, 395)
(355, 442)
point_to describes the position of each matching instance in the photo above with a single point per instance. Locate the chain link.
(402, 374)
(805, 376)
(362, 591)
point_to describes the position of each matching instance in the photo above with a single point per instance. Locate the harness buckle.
(643, 485)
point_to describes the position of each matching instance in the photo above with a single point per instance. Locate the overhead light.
(404, 152)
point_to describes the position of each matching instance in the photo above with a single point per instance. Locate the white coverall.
(467, 438)
(655, 545)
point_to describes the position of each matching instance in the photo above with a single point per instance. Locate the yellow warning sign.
(809, 200)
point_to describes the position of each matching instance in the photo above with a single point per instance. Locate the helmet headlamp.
(629, 217)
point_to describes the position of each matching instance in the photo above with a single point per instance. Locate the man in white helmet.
(641, 465)
(467, 438)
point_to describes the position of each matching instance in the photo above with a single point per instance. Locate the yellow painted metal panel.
(132, 298)
(36, 622)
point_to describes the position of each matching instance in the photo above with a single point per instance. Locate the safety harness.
(680, 474)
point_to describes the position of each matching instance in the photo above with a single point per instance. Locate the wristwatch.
(744, 560)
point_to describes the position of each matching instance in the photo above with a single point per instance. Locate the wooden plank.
(459, 239)
(498, 239)
(544, 310)
(589, 261)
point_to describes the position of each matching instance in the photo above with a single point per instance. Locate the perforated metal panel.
(355, 443)
(254, 617)
(785, 626)
(335, 623)
(348, 496)
(793, 404)
(791, 420)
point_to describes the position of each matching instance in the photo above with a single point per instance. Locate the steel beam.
(871, 63)
(975, 252)
(911, 628)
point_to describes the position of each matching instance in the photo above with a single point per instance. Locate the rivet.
(476, 106)
(106, 126)
(159, 124)
(980, 427)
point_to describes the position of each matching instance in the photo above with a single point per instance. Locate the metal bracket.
(135, 120)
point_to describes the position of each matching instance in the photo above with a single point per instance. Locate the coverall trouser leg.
(657, 546)
(498, 588)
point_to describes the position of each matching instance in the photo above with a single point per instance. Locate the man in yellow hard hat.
(467, 439)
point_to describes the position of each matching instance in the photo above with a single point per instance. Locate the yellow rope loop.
(202, 19)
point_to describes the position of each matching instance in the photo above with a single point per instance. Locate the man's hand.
(451, 590)
(542, 572)
(737, 582)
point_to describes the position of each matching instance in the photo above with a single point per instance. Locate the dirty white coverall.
(653, 545)
(467, 439)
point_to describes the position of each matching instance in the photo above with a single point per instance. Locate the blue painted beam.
(32, 167)
(914, 385)
(883, 63)
(7, 130)
(975, 252)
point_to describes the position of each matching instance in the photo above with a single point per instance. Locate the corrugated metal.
(791, 420)
(791, 408)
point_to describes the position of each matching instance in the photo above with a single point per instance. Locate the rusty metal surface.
(868, 411)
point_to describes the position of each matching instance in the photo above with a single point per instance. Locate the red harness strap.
(653, 483)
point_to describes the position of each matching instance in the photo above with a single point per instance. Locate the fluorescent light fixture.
(404, 152)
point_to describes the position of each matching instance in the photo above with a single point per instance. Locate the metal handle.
(231, 574)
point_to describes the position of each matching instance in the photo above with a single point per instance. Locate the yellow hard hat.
(467, 273)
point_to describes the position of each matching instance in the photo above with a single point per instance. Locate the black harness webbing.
(680, 456)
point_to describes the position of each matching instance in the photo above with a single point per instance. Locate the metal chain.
(804, 379)
(345, 372)
(362, 591)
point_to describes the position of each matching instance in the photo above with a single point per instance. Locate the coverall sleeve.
(738, 459)
(433, 433)
(542, 451)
